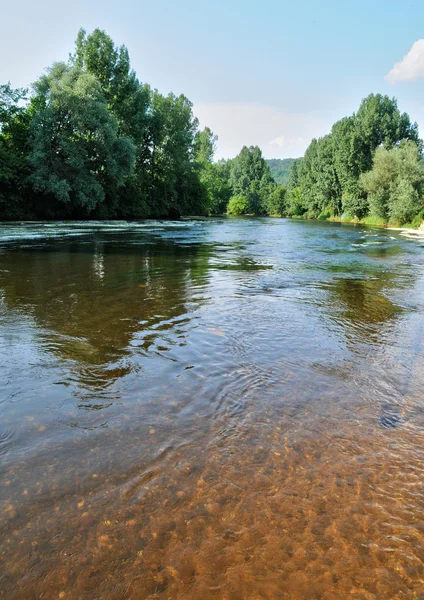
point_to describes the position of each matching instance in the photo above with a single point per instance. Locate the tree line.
(369, 167)
(92, 141)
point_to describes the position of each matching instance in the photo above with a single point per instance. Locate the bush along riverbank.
(368, 221)
(376, 222)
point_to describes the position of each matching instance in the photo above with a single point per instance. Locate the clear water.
(227, 409)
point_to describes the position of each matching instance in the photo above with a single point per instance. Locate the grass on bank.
(417, 223)
(377, 222)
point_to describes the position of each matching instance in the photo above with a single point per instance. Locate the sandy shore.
(412, 232)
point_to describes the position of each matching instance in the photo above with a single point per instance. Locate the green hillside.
(280, 169)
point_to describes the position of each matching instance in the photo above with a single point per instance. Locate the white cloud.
(411, 66)
(279, 134)
(284, 141)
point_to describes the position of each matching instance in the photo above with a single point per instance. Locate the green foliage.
(405, 202)
(215, 180)
(355, 206)
(238, 205)
(213, 177)
(280, 169)
(330, 181)
(250, 177)
(14, 130)
(395, 184)
(276, 201)
(374, 221)
(95, 142)
(205, 146)
(127, 99)
(220, 187)
(9, 103)
(176, 188)
(294, 174)
(76, 154)
(295, 206)
(326, 213)
(333, 175)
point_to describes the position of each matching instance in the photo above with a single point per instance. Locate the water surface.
(227, 409)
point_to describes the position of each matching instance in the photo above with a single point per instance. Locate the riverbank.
(375, 222)
(370, 221)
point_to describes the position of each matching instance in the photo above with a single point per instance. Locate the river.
(211, 409)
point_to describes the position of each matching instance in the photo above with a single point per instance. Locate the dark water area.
(211, 409)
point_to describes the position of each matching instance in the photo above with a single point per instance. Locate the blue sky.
(272, 73)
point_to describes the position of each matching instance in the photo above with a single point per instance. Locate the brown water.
(222, 409)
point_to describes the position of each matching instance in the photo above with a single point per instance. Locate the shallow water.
(227, 409)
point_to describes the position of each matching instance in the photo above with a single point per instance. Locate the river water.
(211, 409)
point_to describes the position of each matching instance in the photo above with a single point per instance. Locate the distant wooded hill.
(280, 169)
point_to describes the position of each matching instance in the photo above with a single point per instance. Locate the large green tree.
(77, 156)
(129, 101)
(176, 188)
(250, 177)
(99, 143)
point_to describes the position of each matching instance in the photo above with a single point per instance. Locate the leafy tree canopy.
(76, 154)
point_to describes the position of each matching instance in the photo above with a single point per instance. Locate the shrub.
(238, 205)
